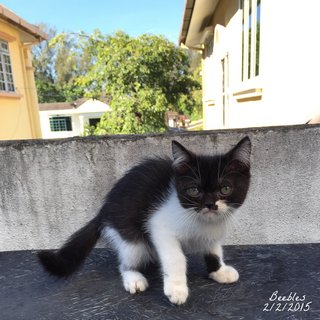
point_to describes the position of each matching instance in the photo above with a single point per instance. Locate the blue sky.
(133, 16)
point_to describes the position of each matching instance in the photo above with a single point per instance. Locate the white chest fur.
(194, 232)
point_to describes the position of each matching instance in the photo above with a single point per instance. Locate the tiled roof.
(20, 23)
(61, 105)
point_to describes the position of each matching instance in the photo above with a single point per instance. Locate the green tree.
(43, 62)
(58, 62)
(72, 60)
(144, 77)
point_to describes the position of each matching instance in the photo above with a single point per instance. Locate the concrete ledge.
(48, 189)
(96, 292)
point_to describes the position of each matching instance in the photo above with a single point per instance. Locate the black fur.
(135, 196)
(209, 174)
(71, 256)
(143, 188)
(212, 262)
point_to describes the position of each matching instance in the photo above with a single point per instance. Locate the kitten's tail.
(69, 258)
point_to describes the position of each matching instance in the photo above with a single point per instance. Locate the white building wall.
(46, 130)
(80, 116)
(289, 69)
(78, 120)
(290, 60)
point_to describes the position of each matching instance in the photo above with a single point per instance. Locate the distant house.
(19, 117)
(261, 61)
(68, 119)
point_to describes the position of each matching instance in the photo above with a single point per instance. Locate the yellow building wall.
(19, 115)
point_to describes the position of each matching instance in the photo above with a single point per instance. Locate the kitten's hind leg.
(132, 256)
(133, 280)
(217, 269)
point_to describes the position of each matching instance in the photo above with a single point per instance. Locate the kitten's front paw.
(226, 274)
(177, 292)
(134, 282)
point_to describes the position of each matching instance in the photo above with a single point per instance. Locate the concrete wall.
(48, 189)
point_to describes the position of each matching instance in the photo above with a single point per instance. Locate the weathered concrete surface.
(96, 292)
(48, 189)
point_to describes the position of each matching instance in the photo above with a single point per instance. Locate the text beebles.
(293, 297)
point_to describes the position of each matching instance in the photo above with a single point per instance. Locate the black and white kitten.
(160, 210)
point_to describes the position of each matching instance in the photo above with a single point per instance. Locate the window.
(6, 77)
(250, 38)
(94, 122)
(60, 124)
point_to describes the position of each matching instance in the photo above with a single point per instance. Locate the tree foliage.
(58, 62)
(143, 76)
(43, 62)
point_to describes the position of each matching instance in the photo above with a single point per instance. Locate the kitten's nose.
(211, 206)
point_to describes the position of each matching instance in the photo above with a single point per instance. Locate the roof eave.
(21, 24)
(187, 14)
(196, 18)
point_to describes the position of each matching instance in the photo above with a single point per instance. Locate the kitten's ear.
(239, 156)
(181, 157)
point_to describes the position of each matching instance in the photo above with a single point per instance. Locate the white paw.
(226, 274)
(134, 281)
(177, 292)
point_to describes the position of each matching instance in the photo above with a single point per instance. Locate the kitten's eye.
(226, 190)
(193, 192)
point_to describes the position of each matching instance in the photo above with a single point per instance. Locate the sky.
(132, 16)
